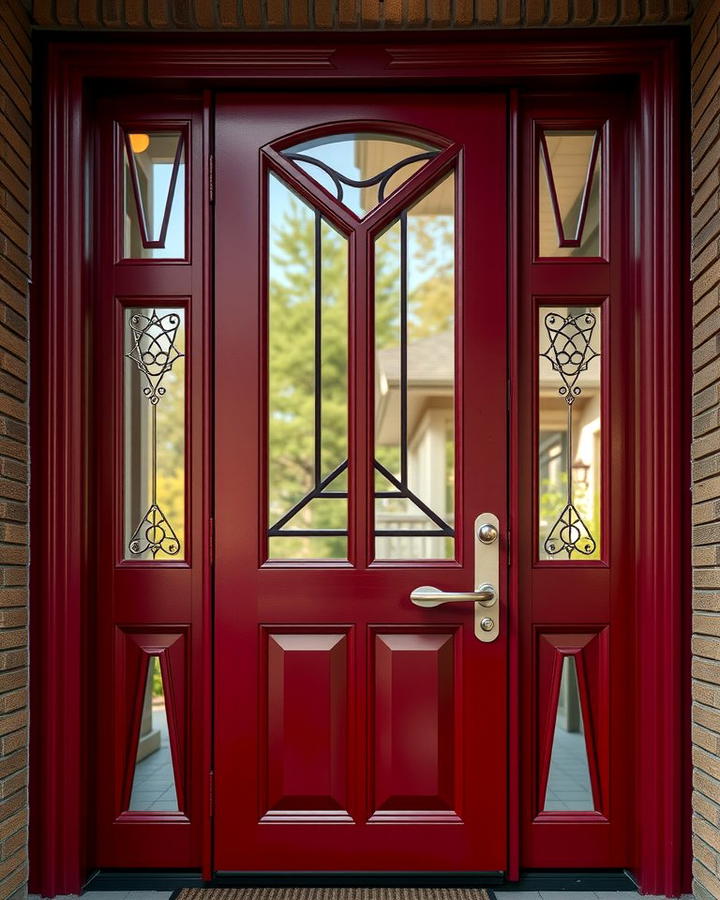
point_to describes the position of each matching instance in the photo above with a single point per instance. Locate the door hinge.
(211, 178)
(211, 541)
(211, 793)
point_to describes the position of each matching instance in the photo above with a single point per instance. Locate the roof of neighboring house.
(431, 361)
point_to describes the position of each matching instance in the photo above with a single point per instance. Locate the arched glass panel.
(361, 170)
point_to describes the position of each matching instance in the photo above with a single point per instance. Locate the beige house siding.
(322, 15)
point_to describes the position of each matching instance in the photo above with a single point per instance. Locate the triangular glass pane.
(360, 170)
(569, 786)
(154, 195)
(569, 194)
(153, 788)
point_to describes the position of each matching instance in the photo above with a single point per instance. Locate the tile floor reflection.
(154, 782)
(569, 782)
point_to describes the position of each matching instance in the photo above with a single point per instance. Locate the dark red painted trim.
(60, 559)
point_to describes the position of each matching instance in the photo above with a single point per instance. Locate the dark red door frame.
(61, 564)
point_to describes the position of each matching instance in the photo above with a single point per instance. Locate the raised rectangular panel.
(306, 711)
(414, 727)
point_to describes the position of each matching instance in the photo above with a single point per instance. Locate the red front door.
(360, 391)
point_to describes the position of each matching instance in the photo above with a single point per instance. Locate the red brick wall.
(14, 280)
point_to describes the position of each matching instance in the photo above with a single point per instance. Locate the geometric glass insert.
(154, 433)
(569, 179)
(360, 170)
(154, 195)
(569, 439)
(568, 785)
(153, 787)
(415, 380)
(307, 381)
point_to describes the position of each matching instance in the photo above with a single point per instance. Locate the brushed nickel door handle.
(486, 595)
(431, 596)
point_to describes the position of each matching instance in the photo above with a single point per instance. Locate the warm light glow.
(139, 142)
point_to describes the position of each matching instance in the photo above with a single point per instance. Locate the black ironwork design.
(154, 533)
(321, 485)
(570, 352)
(154, 353)
(569, 534)
(400, 485)
(154, 349)
(403, 492)
(341, 181)
(320, 490)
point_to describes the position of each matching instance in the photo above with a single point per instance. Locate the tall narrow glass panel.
(154, 214)
(154, 433)
(153, 787)
(415, 381)
(569, 439)
(307, 381)
(568, 785)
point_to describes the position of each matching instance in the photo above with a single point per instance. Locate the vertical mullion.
(403, 351)
(361, 427)
(318, 348)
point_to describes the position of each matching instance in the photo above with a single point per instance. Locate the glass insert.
(154, 195)
(415, 381)
(307, 381)
(569, 440)
(360, 170)
(569, 178)
(154, 433)
(153, 786)
(569, 786)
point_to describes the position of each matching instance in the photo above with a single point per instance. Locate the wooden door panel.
(355, 711)
(414, 722)
(307, 709)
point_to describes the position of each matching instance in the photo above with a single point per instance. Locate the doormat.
(333, 893)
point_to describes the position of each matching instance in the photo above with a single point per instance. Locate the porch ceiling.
(324, 15)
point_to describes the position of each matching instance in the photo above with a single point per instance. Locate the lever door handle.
(431, 596)
(486, 595)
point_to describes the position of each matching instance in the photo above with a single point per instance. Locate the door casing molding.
(61, 571)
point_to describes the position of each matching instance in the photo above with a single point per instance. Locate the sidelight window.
(569, 436)
(154, 433)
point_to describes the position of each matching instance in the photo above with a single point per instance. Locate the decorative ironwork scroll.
(570, 352)
(154, 352)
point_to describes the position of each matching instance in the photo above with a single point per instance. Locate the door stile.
(208, 479)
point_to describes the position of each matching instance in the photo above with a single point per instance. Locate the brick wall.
(706, 447)
(14, 280)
